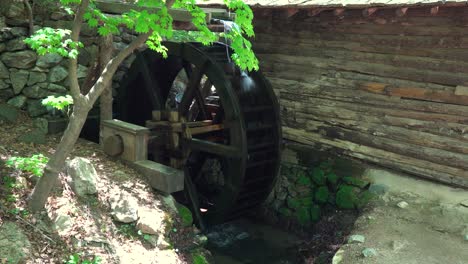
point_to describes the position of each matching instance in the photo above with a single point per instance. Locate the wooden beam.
(369, 11)
(177, 14)
(314, 11)
(401, 11)
(291, 12)
(434, 10)
(339, 12)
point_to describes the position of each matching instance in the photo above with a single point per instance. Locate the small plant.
(77, 259)
(34, 164)
(60, 103)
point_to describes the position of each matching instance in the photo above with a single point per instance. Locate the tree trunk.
(43, 187)
(105, 55)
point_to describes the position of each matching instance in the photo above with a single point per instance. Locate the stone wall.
(313, 183)
(25, 77)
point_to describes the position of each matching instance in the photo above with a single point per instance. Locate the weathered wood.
(401, 11)
(206, 129)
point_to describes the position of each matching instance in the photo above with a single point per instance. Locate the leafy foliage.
(34, 164)
(157, 23)
(59, 103)
(50, 40)
(77, 259)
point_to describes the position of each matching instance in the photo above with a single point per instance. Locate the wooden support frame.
(367, 12)
(400, 12)
(339, 12)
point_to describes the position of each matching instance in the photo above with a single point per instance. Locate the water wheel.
(217, 123)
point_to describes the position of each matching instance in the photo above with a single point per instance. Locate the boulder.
(49, 60)
(18, 80)
(18, 101)
(16, 44)
(36, 77)
(8, 113)
(14, 244)
(35, 108)
(83, 176)
(37, 91)
(57, 74)
(150, 221)
(4, 72)
(36, 136)
(16, 9)
(124, 207)
(21, 59)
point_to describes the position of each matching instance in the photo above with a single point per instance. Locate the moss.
(315, 213)
(304, 181)
(199, 259)
(332, 178)
(306, 201)
(321, 196)
(285, 212)
(355, 182)
(293, 203)
(185, 215)
(364, 198)
(303, 216)
(346, 197)
(318, 176)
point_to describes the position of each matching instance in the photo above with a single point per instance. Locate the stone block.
(135, 138)
(161, 177)
(461, 90)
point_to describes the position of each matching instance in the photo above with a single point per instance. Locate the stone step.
(161, 177)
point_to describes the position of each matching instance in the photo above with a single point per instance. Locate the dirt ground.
(93, 231)
(429, 229)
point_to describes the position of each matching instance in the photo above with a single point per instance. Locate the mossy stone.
(346, 197)
(364, 198)
(293, 203)
(185, 215)
(355, 182)
(36, 136)
(332, 178)
(199, 259)
(322, 194)
(303, 216)
(318, 176)
(315, 213)
(304, 180)
(306, 201)
(285, 212)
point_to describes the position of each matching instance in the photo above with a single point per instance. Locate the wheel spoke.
(196, 77)
(213, 148)
(150, 83)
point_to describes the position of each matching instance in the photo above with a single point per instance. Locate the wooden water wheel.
(217, 123)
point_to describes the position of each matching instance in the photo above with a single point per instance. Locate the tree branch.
(111, 67)
(73, 66)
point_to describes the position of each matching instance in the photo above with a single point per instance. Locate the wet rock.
(242, 236)
(402, 204)
(369, 252)
(83, 176)
(57, 74)
(124, 207)
(8, 113)
(18, 101)
(3, 85)
(16, 44)
(18, 80)
(338, 257)
(14, 244)
(36, 136)
(35, 108)
(355, 239)
(4, 72)
(379, 189)
(49, 60)
(149, 222)
(36, 77)
(21, 59)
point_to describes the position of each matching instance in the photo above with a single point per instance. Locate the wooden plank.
(206, 129)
